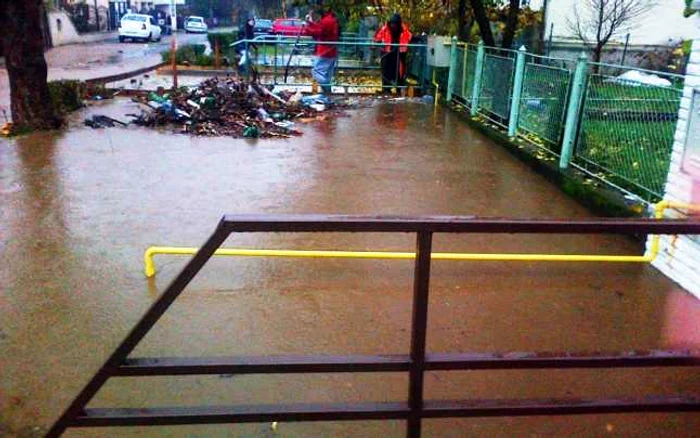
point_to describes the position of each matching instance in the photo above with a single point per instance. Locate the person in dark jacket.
(326, 30)
(247, 32)
(396, 37)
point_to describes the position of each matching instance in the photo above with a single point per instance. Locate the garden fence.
(614, 123)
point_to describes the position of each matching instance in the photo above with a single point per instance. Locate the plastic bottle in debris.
(251, 132)
(264, 116)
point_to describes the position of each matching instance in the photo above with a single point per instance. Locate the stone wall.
(63, 31)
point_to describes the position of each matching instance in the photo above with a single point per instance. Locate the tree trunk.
(511, 24)
(597, 56)
(23, 46)
(462, 20)
(482, 20)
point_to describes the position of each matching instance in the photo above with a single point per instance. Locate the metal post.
(97, 18)
(173, 16)
(549, 44)
(478, 72)
(173, 60)
(419, 331)
(274, 67)
(464, 69)
(573, 111)
(624, 51)
(517, 91)
(453, 69)
(247, 61)
(425, 77)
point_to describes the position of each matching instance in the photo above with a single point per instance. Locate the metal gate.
(414, 409)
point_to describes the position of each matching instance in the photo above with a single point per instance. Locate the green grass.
(628, 132)
(637, 152)
(610, 96)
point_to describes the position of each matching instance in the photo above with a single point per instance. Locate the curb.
(121, 76)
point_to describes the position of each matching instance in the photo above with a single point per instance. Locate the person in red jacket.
(324, 31)
(396, 37)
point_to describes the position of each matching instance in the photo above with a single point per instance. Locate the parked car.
(262, 27)
(138, 27)
(289, 27)
(195, 24)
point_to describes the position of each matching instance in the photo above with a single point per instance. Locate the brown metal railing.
(416, 363)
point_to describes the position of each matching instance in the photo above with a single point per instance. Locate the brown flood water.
(77, 209)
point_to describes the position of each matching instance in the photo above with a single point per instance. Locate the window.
(137, 18)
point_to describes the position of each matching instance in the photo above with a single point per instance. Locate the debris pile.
(229, 107)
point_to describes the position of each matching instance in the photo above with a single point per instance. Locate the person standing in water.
(396, 37)
(326, 30)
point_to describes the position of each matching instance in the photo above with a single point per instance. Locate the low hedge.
(66, 96)
(225, 39)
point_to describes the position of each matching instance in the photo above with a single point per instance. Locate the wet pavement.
(78, 208)
(106, 58)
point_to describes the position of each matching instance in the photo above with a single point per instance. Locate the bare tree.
(603, 19)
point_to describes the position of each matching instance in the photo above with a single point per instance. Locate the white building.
(663, 23)
(680, 255)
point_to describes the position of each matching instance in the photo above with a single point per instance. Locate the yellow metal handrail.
(649, 256)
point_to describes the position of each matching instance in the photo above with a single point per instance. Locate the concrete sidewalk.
(92, 61)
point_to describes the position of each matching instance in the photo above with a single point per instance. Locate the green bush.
(192, 54)
(66, 96)
(204, 61)
(225, 39)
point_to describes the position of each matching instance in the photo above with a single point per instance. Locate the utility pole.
(173, 15)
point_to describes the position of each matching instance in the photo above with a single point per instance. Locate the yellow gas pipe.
(659, 209)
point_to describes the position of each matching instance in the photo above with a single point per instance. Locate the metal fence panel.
(543, 103)
(470, 75)
(459, 72)
(627, 131)
(497, 87)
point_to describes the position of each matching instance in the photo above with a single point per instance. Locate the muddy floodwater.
(78, 208)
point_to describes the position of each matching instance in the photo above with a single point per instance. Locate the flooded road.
(77, 210)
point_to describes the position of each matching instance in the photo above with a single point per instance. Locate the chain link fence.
(621, 134)
(464, 78)
(497, 87)
(627, 129)
(543, 101)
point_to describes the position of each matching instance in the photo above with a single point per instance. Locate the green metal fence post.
(573, 111)
(274, 67)
(478, 72)
(464, 70)
(517, 92)
(453, 69)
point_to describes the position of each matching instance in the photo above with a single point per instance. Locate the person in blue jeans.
(326, 30)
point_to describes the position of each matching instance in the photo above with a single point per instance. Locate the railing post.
(573, 111)
(419, 331)
(464, 69)
(453, 69)
(517, 92)
(478, 72)
(274, 67)
(426, 68)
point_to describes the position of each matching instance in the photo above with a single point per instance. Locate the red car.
(288, 27)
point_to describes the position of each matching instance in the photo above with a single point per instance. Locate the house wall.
(680, 256)
(63, 31)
